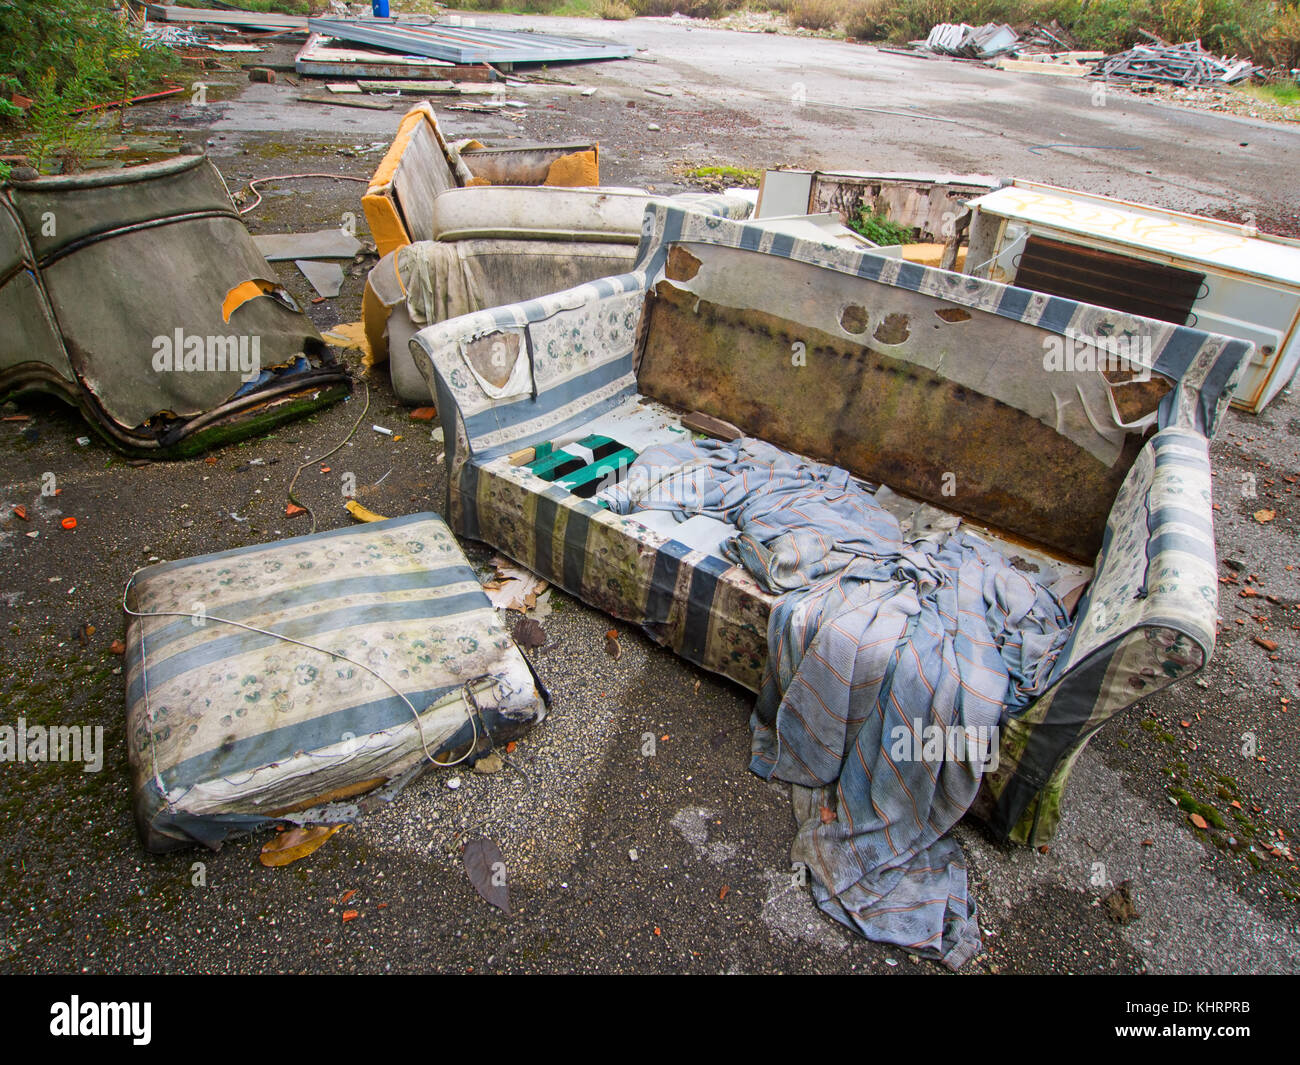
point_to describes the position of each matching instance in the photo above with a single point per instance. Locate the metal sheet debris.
(324, 56)
(322, 244)
(326, 278)
(972, 42)
(460, 44)
(1177, 64)
(256, 19)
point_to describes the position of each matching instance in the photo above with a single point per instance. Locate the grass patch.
(880, 230)
(1189, 804)
(817, 14)
(745, 177)
(1282, 93)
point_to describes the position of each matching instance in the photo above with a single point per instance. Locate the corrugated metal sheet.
(460, 44)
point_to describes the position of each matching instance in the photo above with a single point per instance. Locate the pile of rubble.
(1176, 64)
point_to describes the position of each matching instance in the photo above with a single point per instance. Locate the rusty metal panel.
(461, 44)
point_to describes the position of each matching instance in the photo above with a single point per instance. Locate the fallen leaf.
(828, 815)
(424, 414)
(513, 587)
(612, 648)
(292, 510)
(347, 895)
(1268, 645)
(349, 335)
(294, 844)
(1265, 516)
(350, 915)
(20, 511)
(117, 647)
(486, 869)
(1200, 821)
(722, 894)
(529, 633)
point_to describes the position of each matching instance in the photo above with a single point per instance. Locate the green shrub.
(878, 229)
(817, 14)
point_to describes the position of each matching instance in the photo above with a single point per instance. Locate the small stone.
(653, 127)
(453, 783)
(632, 855)
(489, 763)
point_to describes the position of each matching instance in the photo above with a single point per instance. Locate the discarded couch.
(964, 400)
(271, 679)
(139, 296)
(464, 227)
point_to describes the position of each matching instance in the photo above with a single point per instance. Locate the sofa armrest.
(507, 378)
(1147, 620)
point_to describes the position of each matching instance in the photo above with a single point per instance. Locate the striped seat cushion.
(230, 728)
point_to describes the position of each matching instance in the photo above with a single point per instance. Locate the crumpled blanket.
(890, 667)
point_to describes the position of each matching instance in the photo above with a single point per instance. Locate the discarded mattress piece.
(148, 306)
(932, 384)
(872, 639)
(1221, 276)
(461, 228)
(320, 667)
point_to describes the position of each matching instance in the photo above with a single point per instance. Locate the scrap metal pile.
(972, 42)
(1177, 64)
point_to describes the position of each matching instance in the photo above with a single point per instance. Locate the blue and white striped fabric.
(272, 677)
(890, 667)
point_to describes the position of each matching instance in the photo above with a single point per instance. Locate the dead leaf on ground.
(1199, 821)
(486, 869)
(513, 587)
(611, 646)
(296, 843)
(1119, 905)
(828, 815)
(529, 633)
(1265, 516)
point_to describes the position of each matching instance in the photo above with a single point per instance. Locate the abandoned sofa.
(139, 296)
(966, 401)
(269, 680)
(462, 227)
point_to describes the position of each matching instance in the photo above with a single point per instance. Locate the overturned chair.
(139, 296)
(461, 227)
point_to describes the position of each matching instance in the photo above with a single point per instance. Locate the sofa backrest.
(980, 398)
